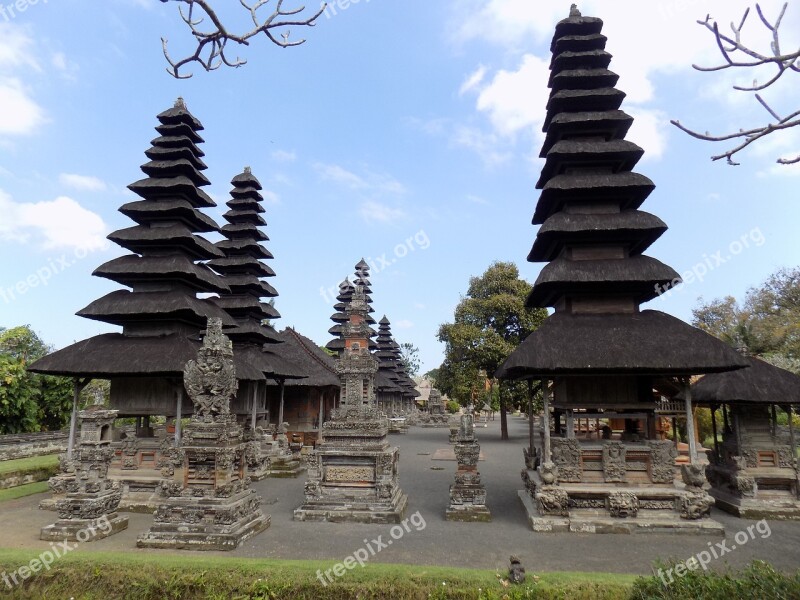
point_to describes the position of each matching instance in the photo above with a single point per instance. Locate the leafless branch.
(737, 55)
(212, 41)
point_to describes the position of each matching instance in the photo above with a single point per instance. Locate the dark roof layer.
(649, 342)
(311, 360)
(114, 355)
(761, 383)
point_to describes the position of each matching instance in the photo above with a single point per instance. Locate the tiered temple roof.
(161, 315)
(386, 380)
(242, 266)
(593, 235)
(339, 317)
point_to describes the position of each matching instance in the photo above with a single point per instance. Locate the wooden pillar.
(546, 457)
(73, 420)
(178, 415)
(281, 383)
(530, 418)
(714, 431)
(690, 430)
(254, 408)
(675, 430)
(321, 414)
(774, 420)
(726, 423)
(790, 413)
(571, 424)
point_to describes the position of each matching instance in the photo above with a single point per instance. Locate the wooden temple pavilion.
(753, 471)
(600, 356)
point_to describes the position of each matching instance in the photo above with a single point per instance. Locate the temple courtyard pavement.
(442, 542)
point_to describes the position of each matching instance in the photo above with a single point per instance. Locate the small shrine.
(352, 474)
(467, 494)
(208, 504)
(753, 470)
(436, 416)
(88, 509)
(601, 358)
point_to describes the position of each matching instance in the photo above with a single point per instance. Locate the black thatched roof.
(635, 276)
(114, 355)
(346, 289)
(132, 269)
(242, 267)
(637, 229)
(150, 211)
(122, 307)
(318, 366)
(649, 342)
(760, 383)
(141, 238)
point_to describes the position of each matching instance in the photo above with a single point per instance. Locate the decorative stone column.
(209, 503)
(88, 512)
(467, 494)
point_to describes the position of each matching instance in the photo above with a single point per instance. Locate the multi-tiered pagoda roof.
(386, 381)
(243, 268)
(593, 235)
(340, 317)
(160, 315)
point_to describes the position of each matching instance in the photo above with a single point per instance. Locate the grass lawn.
(28, 464)
(23, 490)
(161, 575)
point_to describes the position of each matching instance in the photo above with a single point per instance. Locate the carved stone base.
(286, 466)
(346, 511)
(202, 523)
(84, 530)
(468, 513)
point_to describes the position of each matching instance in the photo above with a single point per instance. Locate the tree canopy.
(766, 323)
(490, 321)
(409, 356)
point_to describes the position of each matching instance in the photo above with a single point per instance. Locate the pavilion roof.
(761, 383)
(648, 342)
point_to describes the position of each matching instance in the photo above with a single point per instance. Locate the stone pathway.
(441, 542)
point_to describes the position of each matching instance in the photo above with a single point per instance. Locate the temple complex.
(599, 356)
(753, 471)
(352, 474)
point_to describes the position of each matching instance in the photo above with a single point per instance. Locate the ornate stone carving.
(614, 467)
(623, 504)
(567, 457)
(467, 494)
(552, 500)
(785, 459)
(662, 461)
(211, 379)
(743, 485)
(695, 504)
(549, 473)
(693, 475)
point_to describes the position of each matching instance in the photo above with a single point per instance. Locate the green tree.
(489, 323)
(29, 402)
(766, 323)
(409, 356)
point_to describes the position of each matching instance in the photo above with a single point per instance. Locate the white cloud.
(477, 199)
(486, 145)
(20, 114)
(368, 181)
(649, 131)
(473, 81)
(515, 100)
(82, 182)
(59, 223)
(403, 324)
(340, 175)
(284, 156)
(419, 306)
(376, 212)
(270, 197)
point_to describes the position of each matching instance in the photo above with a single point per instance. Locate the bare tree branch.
(738, 55)
(212, 43)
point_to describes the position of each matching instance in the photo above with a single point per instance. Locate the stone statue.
(211, 379)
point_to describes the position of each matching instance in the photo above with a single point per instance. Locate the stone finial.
(574, 12)
(247, 170)
(180, 103)
(211, 379)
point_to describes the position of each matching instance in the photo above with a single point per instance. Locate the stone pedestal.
(208, 504)
(467, 494)
(88, 510)
(352, 474)
(283, 462)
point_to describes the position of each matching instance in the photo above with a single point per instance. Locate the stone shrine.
(467, 494)
(437, 413)
(209, 503)
(352, 474)
(91, 498)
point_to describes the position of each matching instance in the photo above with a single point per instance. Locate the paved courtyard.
(479, 545)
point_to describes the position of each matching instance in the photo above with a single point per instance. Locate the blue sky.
(403, 132)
